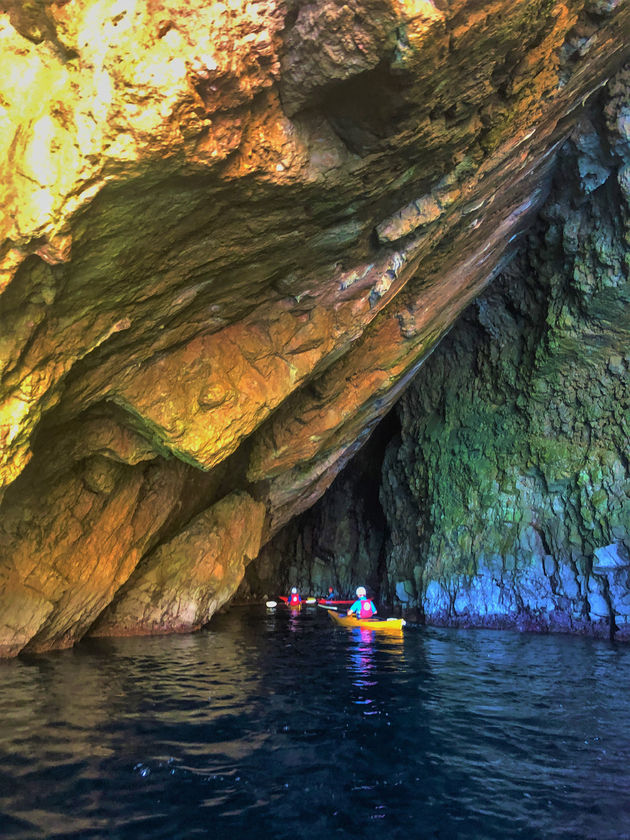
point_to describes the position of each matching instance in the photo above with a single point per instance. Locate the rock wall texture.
(339, 542)
(505, 491)
(515, 443)
(231, 234)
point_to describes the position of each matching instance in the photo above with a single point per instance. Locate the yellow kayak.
(382, 625)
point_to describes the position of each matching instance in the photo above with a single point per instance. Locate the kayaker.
(294, 598)
(331, 594)
(362, 607)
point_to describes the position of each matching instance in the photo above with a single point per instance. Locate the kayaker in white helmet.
(294, 597)
(363, 607)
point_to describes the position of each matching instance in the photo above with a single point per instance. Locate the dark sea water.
(278, 726)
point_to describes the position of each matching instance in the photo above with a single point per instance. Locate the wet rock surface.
(515, 435)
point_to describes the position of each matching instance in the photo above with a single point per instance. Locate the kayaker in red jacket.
(362, 607)
(294, 598)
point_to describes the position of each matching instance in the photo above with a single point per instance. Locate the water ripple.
(293, 726)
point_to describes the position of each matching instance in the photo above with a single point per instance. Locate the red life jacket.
(294, 598)
(367, 610)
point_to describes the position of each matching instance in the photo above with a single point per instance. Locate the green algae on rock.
(505, 491)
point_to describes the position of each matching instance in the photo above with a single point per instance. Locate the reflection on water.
(287, 724)
(361, 654)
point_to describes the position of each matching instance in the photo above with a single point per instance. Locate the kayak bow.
(381, 625)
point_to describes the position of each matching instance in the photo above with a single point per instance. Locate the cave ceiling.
(231, 235)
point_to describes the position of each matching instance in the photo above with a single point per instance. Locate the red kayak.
(328, 601)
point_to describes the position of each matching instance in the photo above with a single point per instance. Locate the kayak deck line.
(380, 625)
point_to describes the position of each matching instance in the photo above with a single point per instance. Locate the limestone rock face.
(514, 451)
(186, 579)
(231, 234)
(505, 488)
(339, 542)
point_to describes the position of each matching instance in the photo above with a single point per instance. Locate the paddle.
(328, 607)
(310, 601)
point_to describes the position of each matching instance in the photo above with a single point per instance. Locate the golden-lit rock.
(185, 580)
(72, 543)
(231, 232)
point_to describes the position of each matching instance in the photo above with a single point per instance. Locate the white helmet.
(361, 593)
(293, 590)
